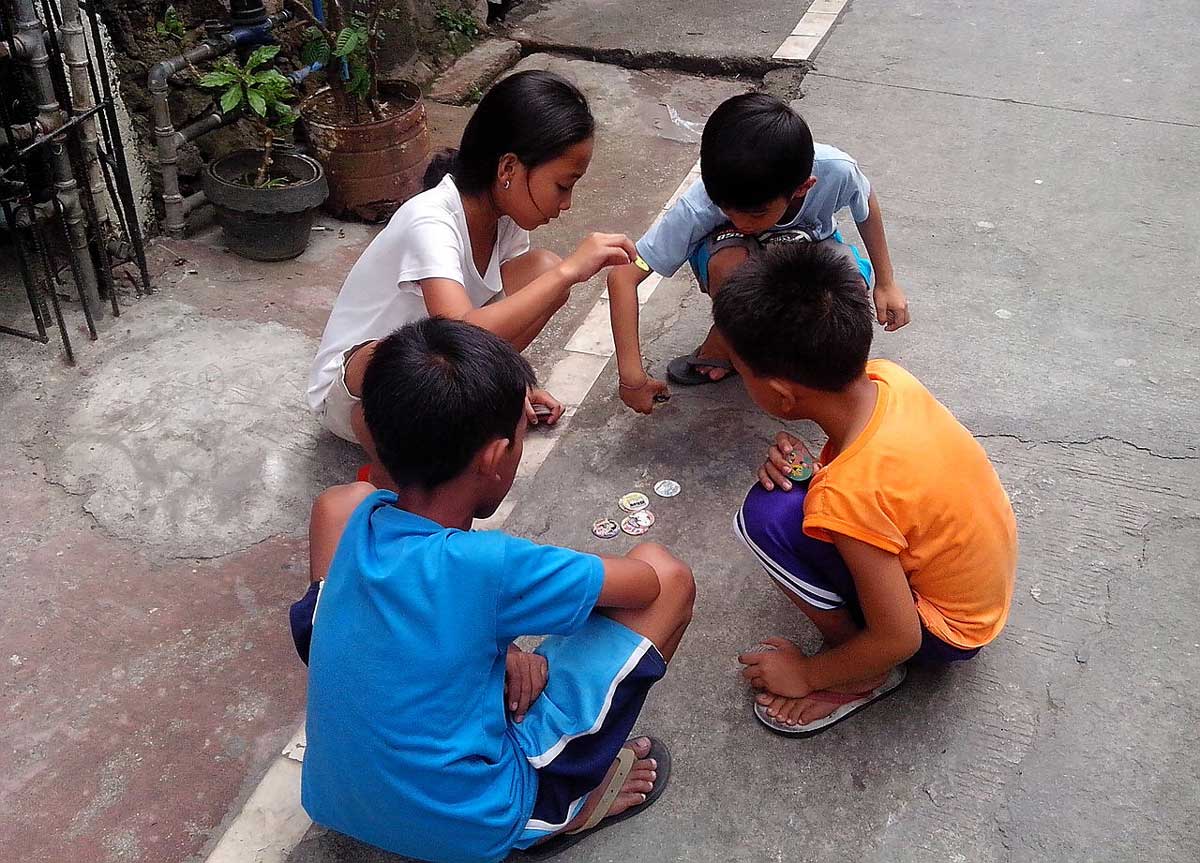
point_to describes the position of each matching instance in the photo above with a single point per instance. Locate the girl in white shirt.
(461, 248)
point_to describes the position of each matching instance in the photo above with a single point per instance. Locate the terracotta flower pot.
(373, 167)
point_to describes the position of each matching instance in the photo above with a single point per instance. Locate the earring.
(507, 183)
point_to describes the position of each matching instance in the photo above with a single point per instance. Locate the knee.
(770, 513)
(542, 261)
(677, 585)
(723, 263)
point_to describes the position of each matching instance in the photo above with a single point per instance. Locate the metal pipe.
(59, 130)
(165, 136)
(31, 38)
(52, 285)
(75, 53)
(124, 189)
(194, 201)
(202, 126)
(35, 303)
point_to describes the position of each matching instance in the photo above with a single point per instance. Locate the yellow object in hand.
(640, 264)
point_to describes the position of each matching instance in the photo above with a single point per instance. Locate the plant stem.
(301, 11)
(261, 179)
(333, 69)
(372, 59)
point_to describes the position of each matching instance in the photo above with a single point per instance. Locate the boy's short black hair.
(754, 149)
(798, 311)
(436, 392)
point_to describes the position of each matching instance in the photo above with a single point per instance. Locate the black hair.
(754, 149)
(798, 311)
(437, 391)
(535, 115)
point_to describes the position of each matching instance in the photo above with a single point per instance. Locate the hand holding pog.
(801, 464)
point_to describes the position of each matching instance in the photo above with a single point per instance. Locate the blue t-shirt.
(409, 745)
(840, 184)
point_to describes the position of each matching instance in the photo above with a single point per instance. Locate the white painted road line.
(812, 31)
(272, 822)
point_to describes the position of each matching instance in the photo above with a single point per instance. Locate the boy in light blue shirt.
(763, 181)
(429, 732)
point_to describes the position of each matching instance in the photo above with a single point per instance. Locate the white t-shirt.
(426, 239)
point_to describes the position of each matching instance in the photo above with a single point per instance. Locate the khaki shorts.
(338, 408)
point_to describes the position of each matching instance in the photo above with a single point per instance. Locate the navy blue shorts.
(572, 732)
(811, 570)
(727, 236)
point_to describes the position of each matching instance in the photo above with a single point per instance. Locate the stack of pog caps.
(639, 519)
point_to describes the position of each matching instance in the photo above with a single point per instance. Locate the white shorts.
(339, 404)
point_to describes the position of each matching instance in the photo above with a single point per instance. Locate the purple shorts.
(811, 570)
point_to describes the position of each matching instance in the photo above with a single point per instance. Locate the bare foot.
(713, 349)
(638, 784)
(810, 708)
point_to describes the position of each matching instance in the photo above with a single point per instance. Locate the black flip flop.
(682, 370)
(563, 841)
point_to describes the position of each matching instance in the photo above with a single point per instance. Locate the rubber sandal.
(682, 370)
(599, 820)
(848, 705)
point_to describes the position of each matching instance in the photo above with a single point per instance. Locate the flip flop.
(682, 370)
(848, 705)
(599, 819)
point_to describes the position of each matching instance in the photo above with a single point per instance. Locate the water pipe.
(297, 77)
(30, 42)
(74, 50)
(167, 139)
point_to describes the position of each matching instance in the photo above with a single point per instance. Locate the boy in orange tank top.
(899, 543)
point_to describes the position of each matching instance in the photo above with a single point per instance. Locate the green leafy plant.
(171, 26)
(346, 44)
(266, 93)
(460, 25)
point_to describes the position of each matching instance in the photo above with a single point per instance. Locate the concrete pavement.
(708, 36)
(154, 509)
(1047, 241)
(149, 678)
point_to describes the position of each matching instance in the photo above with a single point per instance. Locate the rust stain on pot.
(374, 167)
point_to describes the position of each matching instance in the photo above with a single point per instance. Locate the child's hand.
(643, 397)
(524, 679)
(597, 252)
(780, 671)
(774, 471)
(891, 306)
(541, 397)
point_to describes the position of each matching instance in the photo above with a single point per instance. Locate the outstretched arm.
(637, 388)
(891, 305)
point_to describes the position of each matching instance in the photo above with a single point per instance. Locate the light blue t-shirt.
(409, 746)
(840, 184)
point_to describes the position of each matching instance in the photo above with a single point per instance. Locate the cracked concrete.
(154, 500)
(1049, 253)
(1048, 240)
(1088, 442)
(728, 38)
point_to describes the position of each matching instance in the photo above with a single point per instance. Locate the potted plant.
(370, 135)
(265, 198)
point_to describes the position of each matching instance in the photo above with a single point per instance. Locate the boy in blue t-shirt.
(429, 733)
(763, 181)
